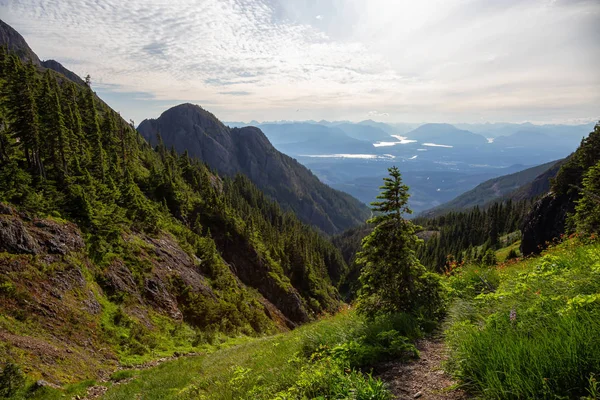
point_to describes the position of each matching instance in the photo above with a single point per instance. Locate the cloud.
(430, 60)
(377, 114)
(236, 93)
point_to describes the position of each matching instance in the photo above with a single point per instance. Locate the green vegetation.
(166, 256)
(392, 278)
(587, 217)
(66, 156)
(529, 329)
(494, 190)
(318, 360)
(468, 235)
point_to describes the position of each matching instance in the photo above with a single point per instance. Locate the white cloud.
(376, 114)
(265, 59)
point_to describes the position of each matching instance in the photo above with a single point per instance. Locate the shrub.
(11, 380)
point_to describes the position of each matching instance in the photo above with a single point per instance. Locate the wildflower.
(513, 315)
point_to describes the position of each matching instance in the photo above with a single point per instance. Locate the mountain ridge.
(247, 150)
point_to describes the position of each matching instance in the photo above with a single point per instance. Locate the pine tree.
(587, 216)
(392, 278)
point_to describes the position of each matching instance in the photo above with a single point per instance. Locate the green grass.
(550, 347)
(502, 254)
(320, 359)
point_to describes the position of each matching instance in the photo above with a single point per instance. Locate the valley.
(190, 258)
(439, 162)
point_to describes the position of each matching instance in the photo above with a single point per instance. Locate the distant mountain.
(247, 150)
(302, 138)
(523, 139)
(367, 133)
(17, 45)
(493, 130)
(502, 187)
(537, 139)
(446, 134)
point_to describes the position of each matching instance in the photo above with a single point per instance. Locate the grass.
(502, 254)
(532, 330)
(320, 359)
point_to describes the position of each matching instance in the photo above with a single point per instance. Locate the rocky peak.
(17, 44)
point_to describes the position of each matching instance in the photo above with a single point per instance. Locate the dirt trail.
(424, 378)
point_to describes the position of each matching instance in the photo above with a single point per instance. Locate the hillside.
(447, 135)
(307, 138)
(15, 43)
(523, 185)
(113, 251)
(553, 215)
(248, 151)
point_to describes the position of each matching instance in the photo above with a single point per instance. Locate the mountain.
(446, 134)
(58, 67)
(539, 186)
(247, 150)
(113, 251)
(301, 138)
(497, 129)
(365, 132)
(17, 45)
(537, 139)
(551, 216)
(499, 188)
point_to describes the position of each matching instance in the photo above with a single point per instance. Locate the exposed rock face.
(244, 261)
(47, 279)
(247, 150)
(15, 43)
(58, 67)
(545, 222)
(38, 236)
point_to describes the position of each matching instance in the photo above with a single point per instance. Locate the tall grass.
(537, 335)
(326, 359)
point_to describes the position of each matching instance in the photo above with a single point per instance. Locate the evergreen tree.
(392, 278)
(92, 129)
(587, 215)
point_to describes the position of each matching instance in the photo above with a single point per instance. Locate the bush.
(11, 380)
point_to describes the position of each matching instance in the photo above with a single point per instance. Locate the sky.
(387, 60)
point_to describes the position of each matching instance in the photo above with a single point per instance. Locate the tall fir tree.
(392, 278)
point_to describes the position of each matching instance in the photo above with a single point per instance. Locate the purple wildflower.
(513, 315)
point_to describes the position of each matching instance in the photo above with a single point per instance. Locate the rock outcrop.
(545, 223)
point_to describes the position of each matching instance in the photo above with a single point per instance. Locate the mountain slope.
(501, 187)
(301, 138)
(247, 150)
(550, 217)
(17, 45)
(365, 132)
(112, 251)
(446, 134)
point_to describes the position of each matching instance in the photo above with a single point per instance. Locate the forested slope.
(247, 150)
(109, 243)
